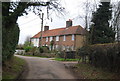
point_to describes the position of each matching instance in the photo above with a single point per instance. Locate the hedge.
(105, 56)
(10, 37)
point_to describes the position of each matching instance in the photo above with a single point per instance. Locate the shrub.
(60, 54)
(27, 48)
(70, 54)
(65, 55)
(43, 49)
(105, 56)
(83, 53)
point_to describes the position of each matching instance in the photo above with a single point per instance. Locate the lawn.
(13, 68)
(36, 56)
(62, 59)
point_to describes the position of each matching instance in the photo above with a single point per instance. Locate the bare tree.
(89, 8)
(116, 20)
(28, 38)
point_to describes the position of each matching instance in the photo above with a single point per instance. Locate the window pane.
(73, 36)
(51, 38)
(64, 38)
(46, 39)
(57, 38)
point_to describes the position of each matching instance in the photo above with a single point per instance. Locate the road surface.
(44, 68)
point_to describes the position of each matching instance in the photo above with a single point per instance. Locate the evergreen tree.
(100, 30)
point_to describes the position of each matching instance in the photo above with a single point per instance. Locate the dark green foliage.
(82, 53)
(66, 55)
(27, 46)
(40, 49)
(100, 30)
(27, 49)
(10, 38)
(70, 54)
(51, 44)
(105, 56)
(10, 13)
(43, 49)
(20, 46)
(61, 54)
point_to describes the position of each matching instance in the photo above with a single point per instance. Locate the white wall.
(35, 42)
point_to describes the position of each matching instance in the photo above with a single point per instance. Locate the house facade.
(68, 38)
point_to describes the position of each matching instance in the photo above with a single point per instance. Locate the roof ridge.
(56, 29)
(61, 31)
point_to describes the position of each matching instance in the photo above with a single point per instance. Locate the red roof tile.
(62, 31)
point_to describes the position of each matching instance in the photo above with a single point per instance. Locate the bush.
(70, 54)
(65, 55)
(60, 54)
(105, 56)
(83, 53)
(27, 48)
(10, 36)
(48, 55)
(43, 49)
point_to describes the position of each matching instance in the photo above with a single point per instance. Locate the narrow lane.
(44, 68)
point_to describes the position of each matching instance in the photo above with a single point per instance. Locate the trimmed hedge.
(67, 55)
(10, 37)
(105, 56)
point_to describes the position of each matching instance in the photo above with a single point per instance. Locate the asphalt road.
(44, 68)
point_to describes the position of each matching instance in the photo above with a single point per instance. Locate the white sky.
(31, 24)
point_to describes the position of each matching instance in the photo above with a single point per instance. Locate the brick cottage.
(68, 38)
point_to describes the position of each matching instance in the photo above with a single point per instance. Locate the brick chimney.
(68, 23)
(46, 28)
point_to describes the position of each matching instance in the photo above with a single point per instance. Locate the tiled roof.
(62, 31)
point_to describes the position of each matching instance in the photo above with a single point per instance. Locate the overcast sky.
(31, 24)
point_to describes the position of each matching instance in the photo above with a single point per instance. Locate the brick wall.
(79, 41)
(67, 44)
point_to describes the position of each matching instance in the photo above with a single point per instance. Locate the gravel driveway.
(44, 68)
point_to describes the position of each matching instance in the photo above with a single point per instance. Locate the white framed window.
(46, 39)
(51, 38)
(73, 37)
(57, 38)
(64, 38)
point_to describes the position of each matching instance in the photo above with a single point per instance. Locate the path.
(44, 68)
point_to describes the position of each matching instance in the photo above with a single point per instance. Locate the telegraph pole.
(40, 38)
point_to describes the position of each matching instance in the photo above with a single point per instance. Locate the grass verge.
(13, 68)
(36, 56)
(87, 71)
(62, 59)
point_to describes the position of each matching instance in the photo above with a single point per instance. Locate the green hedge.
(105, 56)
(10, 37)
(67, 54)
(43, 49)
